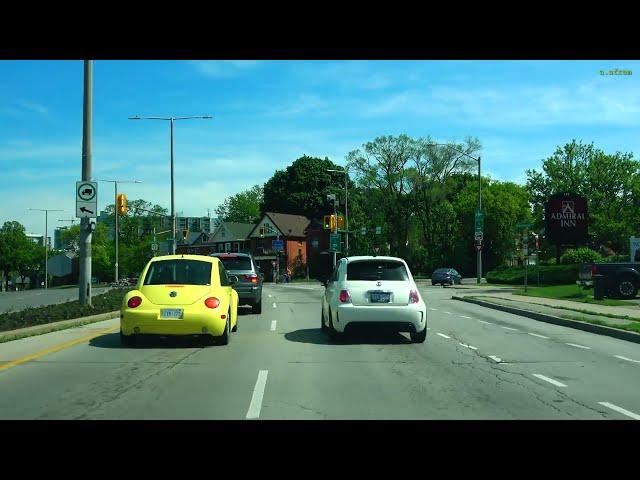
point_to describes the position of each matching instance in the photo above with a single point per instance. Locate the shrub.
(580, 255)
(549, 275)
(103, 303)
(616, 258)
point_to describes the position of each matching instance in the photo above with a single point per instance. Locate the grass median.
(572, 292)
(29, 317)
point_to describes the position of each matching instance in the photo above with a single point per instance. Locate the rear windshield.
(442, 270)
(377, 270)
(181, 272)
(236, 263)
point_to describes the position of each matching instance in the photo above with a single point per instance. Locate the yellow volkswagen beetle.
(181, 295)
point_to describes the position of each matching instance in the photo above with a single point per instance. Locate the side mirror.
(233, 279)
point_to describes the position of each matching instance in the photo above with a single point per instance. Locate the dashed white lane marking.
(578, 346)
(428, 328)
(488, 323)
(627, 359)
(550, 380)
(274, 304)
(468, 346)
(443, 335)
(464, 316)
(509, 328)
(258, 393)
(273, 325)
(495, 359)
(270, 296)
(620, 410)
(539, 336)
(449, 313)
(434, 309)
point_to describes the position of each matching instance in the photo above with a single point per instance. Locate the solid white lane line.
(274, 304)
(258, 393)
(550, 380)
(443, 335)
(578, 346)
(509, 328)
(464, 316)
(488, 323)
(620, 410)
(468, 346)
(273, 325)
(434, 309)
(627, 359)
(495, 359)
(536, 335)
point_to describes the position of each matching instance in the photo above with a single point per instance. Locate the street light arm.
(453, 148)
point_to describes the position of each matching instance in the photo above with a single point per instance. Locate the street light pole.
(45, 242)
(479, 250)
(173, 206)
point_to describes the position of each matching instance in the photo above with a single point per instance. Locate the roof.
(371, 257)
(202, 258)
(236, 230)
(289, 225)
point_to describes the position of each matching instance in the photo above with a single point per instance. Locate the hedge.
(549, 274)
(29, 317)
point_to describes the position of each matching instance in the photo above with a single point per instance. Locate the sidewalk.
(557, 304)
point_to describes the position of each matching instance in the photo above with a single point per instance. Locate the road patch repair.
(586, 319)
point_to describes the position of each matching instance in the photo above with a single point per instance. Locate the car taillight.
(413, 297)
(345, 297)
(594, 270)
(212, 302)
(134, 302)
(253, 278)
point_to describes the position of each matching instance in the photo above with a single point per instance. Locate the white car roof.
(371, 257)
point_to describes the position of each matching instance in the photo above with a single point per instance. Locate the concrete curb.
(541, 317)
(55, 326)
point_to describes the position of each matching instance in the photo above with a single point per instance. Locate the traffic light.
(185, 234)
(326, 222)
(341, 222)
(121, 204)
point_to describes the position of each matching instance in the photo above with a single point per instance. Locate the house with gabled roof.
(227, 237)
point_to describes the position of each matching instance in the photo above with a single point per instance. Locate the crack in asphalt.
(300, 406)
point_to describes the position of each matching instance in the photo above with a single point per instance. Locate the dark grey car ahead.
(249, 285)
(446, 276)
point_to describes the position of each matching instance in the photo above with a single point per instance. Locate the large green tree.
(302, 188)
(610, 182)
(243, 207)
(15, 248)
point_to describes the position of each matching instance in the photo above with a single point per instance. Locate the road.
(477, 363)
(15, 301)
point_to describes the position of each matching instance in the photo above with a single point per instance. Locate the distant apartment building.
(39, 239)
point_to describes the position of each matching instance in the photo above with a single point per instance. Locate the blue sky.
(268, 113)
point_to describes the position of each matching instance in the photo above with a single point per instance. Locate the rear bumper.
(247, 294)
(403, 318)
(148, 322)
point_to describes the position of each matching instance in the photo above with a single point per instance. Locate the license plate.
(174, 313)
(380, 298)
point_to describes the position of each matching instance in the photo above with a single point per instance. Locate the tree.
(14, 248)
(302, 188)
(243, 207)
(610, 182)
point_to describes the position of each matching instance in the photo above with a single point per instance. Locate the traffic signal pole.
(479, 259)
(116, 213)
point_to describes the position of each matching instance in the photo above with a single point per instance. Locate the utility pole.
(335, 224)
(84, 283)
(479, 266)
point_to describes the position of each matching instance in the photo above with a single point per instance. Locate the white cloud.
(224, 68)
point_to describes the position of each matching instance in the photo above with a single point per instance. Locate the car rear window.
(441, 270)
(377, 270)
(181, 272)
(236, 263)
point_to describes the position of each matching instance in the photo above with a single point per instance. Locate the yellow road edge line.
(56, 348)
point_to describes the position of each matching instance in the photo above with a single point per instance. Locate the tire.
(626, 288)
(235, 327)
(419, 337)
(257, 308)
(127, 340)
(226, 336)
(333, 334)
(323, 327)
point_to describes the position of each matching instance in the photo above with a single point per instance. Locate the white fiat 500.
(373, 292)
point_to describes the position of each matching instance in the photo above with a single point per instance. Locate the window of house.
(227, 247)
(236, 247)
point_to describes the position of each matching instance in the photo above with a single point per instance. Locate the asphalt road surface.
(476, 363)
(15, 301)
